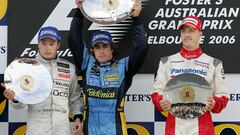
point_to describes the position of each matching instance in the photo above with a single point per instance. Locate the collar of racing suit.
(191, 54)
(40, 57)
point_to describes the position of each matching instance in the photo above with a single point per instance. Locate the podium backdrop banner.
(161, 19)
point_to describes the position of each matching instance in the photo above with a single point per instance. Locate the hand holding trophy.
(188, 94)
(27, 80)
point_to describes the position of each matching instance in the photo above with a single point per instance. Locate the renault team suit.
(106, 85)
(199, 63)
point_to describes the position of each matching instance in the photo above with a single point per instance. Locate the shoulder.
(215, 61)
(166, 59)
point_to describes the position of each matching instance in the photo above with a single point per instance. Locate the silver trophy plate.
(188, 95)
(107, 11)
(29, 79)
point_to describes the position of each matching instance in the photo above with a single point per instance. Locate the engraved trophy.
(188, 94)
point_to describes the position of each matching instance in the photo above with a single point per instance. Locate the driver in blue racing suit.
(106, 79)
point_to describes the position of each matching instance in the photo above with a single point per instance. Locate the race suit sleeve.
(75, 98)
(76, 42)
(158, 86)
(220, 92)
(17, 105)
(140, 48)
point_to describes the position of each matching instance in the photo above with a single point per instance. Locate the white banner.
(3, 48)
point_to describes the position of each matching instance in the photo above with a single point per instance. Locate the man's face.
(102, 52)
(190, 37)
(48, 48)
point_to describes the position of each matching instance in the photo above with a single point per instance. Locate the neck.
(107, 63)
(191, 54)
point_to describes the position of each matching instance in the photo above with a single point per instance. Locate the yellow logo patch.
(111, 77)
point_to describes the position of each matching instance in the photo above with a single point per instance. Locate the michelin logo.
(190, 70)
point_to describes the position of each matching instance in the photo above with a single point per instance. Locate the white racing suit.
(51, 117)
(207, 67)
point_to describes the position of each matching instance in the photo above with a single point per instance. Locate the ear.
(58, 45)
(200, 33)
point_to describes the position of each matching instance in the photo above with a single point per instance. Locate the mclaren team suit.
(51, 117)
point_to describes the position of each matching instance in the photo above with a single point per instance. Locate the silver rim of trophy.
(107, 11)
(188, 94)
(29, 79)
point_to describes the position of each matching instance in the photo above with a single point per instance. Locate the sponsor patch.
(179, 61)
(61, 83)
(201, 64)
(63, 70)
(111, 77)
(64, 65)
(107, 94)
(111, 83)
(64, 75)
(189, 70)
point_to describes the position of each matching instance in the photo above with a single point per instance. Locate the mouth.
(47, 53)
(187, 39)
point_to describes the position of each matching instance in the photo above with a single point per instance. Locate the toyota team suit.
(105, 85)
(199, 63)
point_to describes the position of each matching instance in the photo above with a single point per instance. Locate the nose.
(47, 47)
(187, 35)
(101, 49)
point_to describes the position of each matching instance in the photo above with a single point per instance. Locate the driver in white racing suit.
(51, 117)
(191, 59)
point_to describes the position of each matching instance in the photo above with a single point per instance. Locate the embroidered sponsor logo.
(100, 93)
(58, 83)
(64, 65)
(93, 80)
(60, 93)
(189, 70)
(64, 75)
(111, 77)
(201, 64)
(63, 70)
(111, 83)
(179, 61)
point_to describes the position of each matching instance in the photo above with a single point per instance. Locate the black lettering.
(3, 49)
(134, 97)
(140, 97)
(148, 97)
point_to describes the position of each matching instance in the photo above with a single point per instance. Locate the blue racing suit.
(105, 85)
